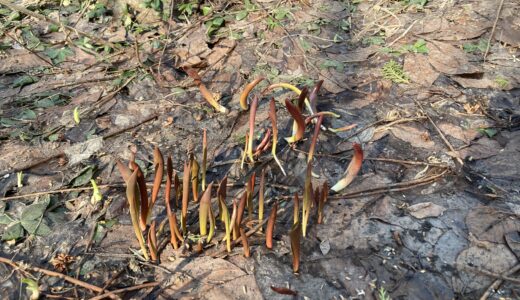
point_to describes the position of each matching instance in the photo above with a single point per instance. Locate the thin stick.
(491, 274)
(61, 191)
(498, 282)
(127, 289)
(444, 139)
(403, 34)
(391, 187)
(30, 50)
(49, 20)
(109, 135)
(54, 274)
(493, 30)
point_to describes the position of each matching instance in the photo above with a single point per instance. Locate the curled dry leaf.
(152, 241)
(185, 195)
(124, 170)
(292, 88)
(352, 169)
(284, 291)
(272, 116)
(295, 234)
(132, 195)
(313, 96)
(241, 207)
(144, 204)
(245, 243)
(206, 94)
(233, 222)
(205, 213)
(158, 163)
(252, 115)
(322, 200)
(307, 198)
(195, 179)
(172, 219)
(298, 118)
(244, 154)
(249, 87)
(270, 226)
(177, 188)
(264, 144)
(343, 128)
(315, 138)
(221, 194)
(296, 208)
(224, 212)
(301, 99)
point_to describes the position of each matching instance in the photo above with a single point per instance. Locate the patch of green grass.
(156, 5)
(59, 55)
(382, 294)
(330, 63)
(416, 3)
(213, 25)
(277, 16)
(374, 40)
(96, 11)
(502, 82)
(475, 47)
(248, 7)
(186, 9)
(418, 47)
(394, 71)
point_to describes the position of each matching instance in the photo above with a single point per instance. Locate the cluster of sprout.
(178, 193)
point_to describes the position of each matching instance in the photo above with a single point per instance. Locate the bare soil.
(433, 213)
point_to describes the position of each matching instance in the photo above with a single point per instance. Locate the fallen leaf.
(426, 210)
(496, 258)
(82, 151)
(449, 59)
(482, 148)
(465, 135)
(412, 135)
(284, 291)
(508, 31)
(451, 30)
(19, 61)
(419, 69)
(490, 224)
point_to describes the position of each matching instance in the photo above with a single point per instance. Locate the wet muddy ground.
(433, 213)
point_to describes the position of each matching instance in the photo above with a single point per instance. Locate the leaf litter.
(448, 236)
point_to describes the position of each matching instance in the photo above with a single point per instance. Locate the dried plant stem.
(444, 139)
(395, 187)
(493, 30)
(54, 274)
(499, 281)
(247, 90)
